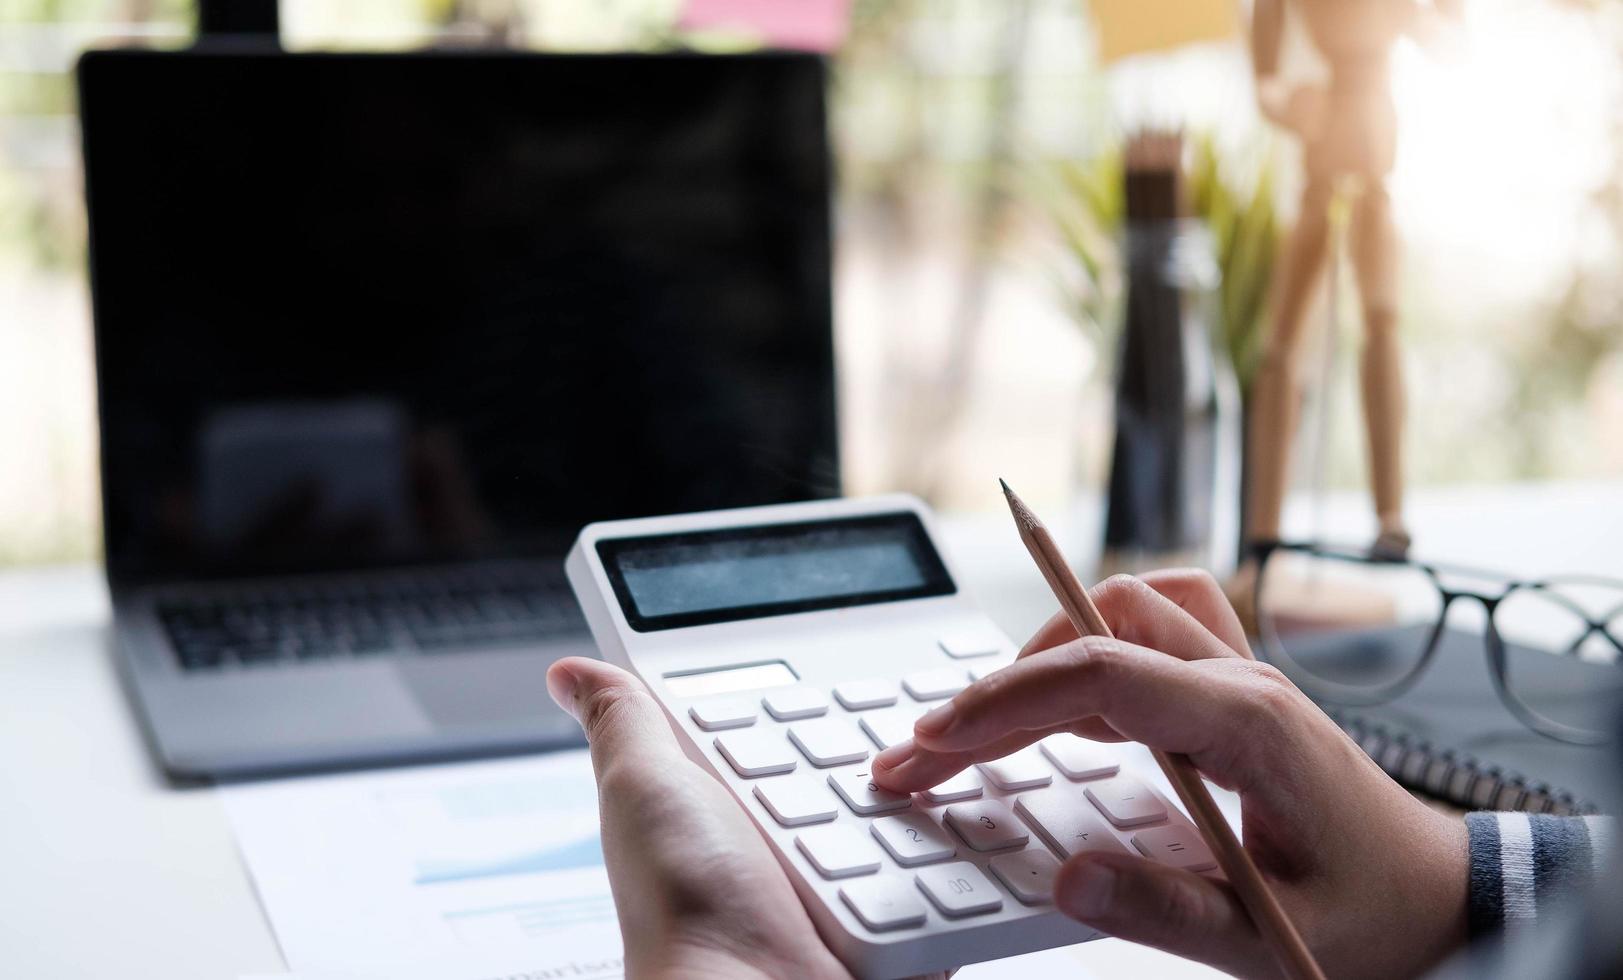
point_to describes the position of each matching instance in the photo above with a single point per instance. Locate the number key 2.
(913, 839)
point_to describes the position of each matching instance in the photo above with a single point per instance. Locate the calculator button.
(913, 839)
(961, 644)
(795, 801)
(793, 703)
(1177, 845)
(756, 753)
(986, 825)
(884, 903)
(982, 669)
(933, 685)
(964, 786)
(1029, 874)
(1065, 822)
(1080, 758)
(839, 851)
(873, 693)
(959, 889)
(719, 713)
(890, 726)
(1126, 801)
(857, 789)
(829, 741)
(1024, 769)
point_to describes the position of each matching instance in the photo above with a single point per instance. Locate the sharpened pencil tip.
(1017, 507)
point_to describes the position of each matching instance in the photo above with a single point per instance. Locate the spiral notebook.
(1451, 737)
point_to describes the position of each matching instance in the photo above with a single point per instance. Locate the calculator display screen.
(699, 577)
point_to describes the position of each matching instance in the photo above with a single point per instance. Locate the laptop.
(377, 334)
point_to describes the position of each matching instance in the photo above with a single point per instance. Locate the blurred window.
(961, 350)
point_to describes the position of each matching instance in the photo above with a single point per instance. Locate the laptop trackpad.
(490, 688)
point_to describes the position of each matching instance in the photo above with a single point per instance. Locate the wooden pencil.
(1265, 911)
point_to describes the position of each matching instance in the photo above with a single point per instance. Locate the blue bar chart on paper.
(477, 862)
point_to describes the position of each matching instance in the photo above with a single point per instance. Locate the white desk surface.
(107, 871)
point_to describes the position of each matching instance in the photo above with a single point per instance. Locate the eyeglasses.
(1357, 630)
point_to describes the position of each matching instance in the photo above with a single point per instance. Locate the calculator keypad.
(986, 825)
(962, 644)
(839, 851)
(829, 742)
(1126, 801)
(757, 753)
(1066, 822)
(794, 703)
(1029, 874)
(1024, 769)
(990, 838)
(875, 692)
(884, 903)
(1180, 847)
(888, 726)
(1079, 758)
(933, 685)
(964, 786)
(913, 838)
(959, 889)
(795, 801)
(720, 713)
(857, 789)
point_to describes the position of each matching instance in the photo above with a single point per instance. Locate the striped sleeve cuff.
(1523, 864)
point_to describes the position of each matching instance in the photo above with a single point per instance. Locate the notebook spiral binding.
(1456, 777)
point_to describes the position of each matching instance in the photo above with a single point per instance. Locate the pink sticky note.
(807, 25)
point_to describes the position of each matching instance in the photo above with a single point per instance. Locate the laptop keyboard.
(367, 618)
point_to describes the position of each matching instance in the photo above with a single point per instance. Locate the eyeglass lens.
(1348, 622)
(1559, 663)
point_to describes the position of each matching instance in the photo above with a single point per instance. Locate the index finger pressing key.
(1128, 687)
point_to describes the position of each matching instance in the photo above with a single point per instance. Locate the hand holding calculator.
(788, 645)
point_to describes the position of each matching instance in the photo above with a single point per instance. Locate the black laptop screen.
(355, 310)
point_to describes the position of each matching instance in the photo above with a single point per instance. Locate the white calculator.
(790, 643)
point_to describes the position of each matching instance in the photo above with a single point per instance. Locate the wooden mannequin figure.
(1348, 127)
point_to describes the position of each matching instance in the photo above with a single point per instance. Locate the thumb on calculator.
(698, 892)
(622, 721)
(1175, 910)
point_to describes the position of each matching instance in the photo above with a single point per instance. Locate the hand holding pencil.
(1292, 954)
(1361, 878)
